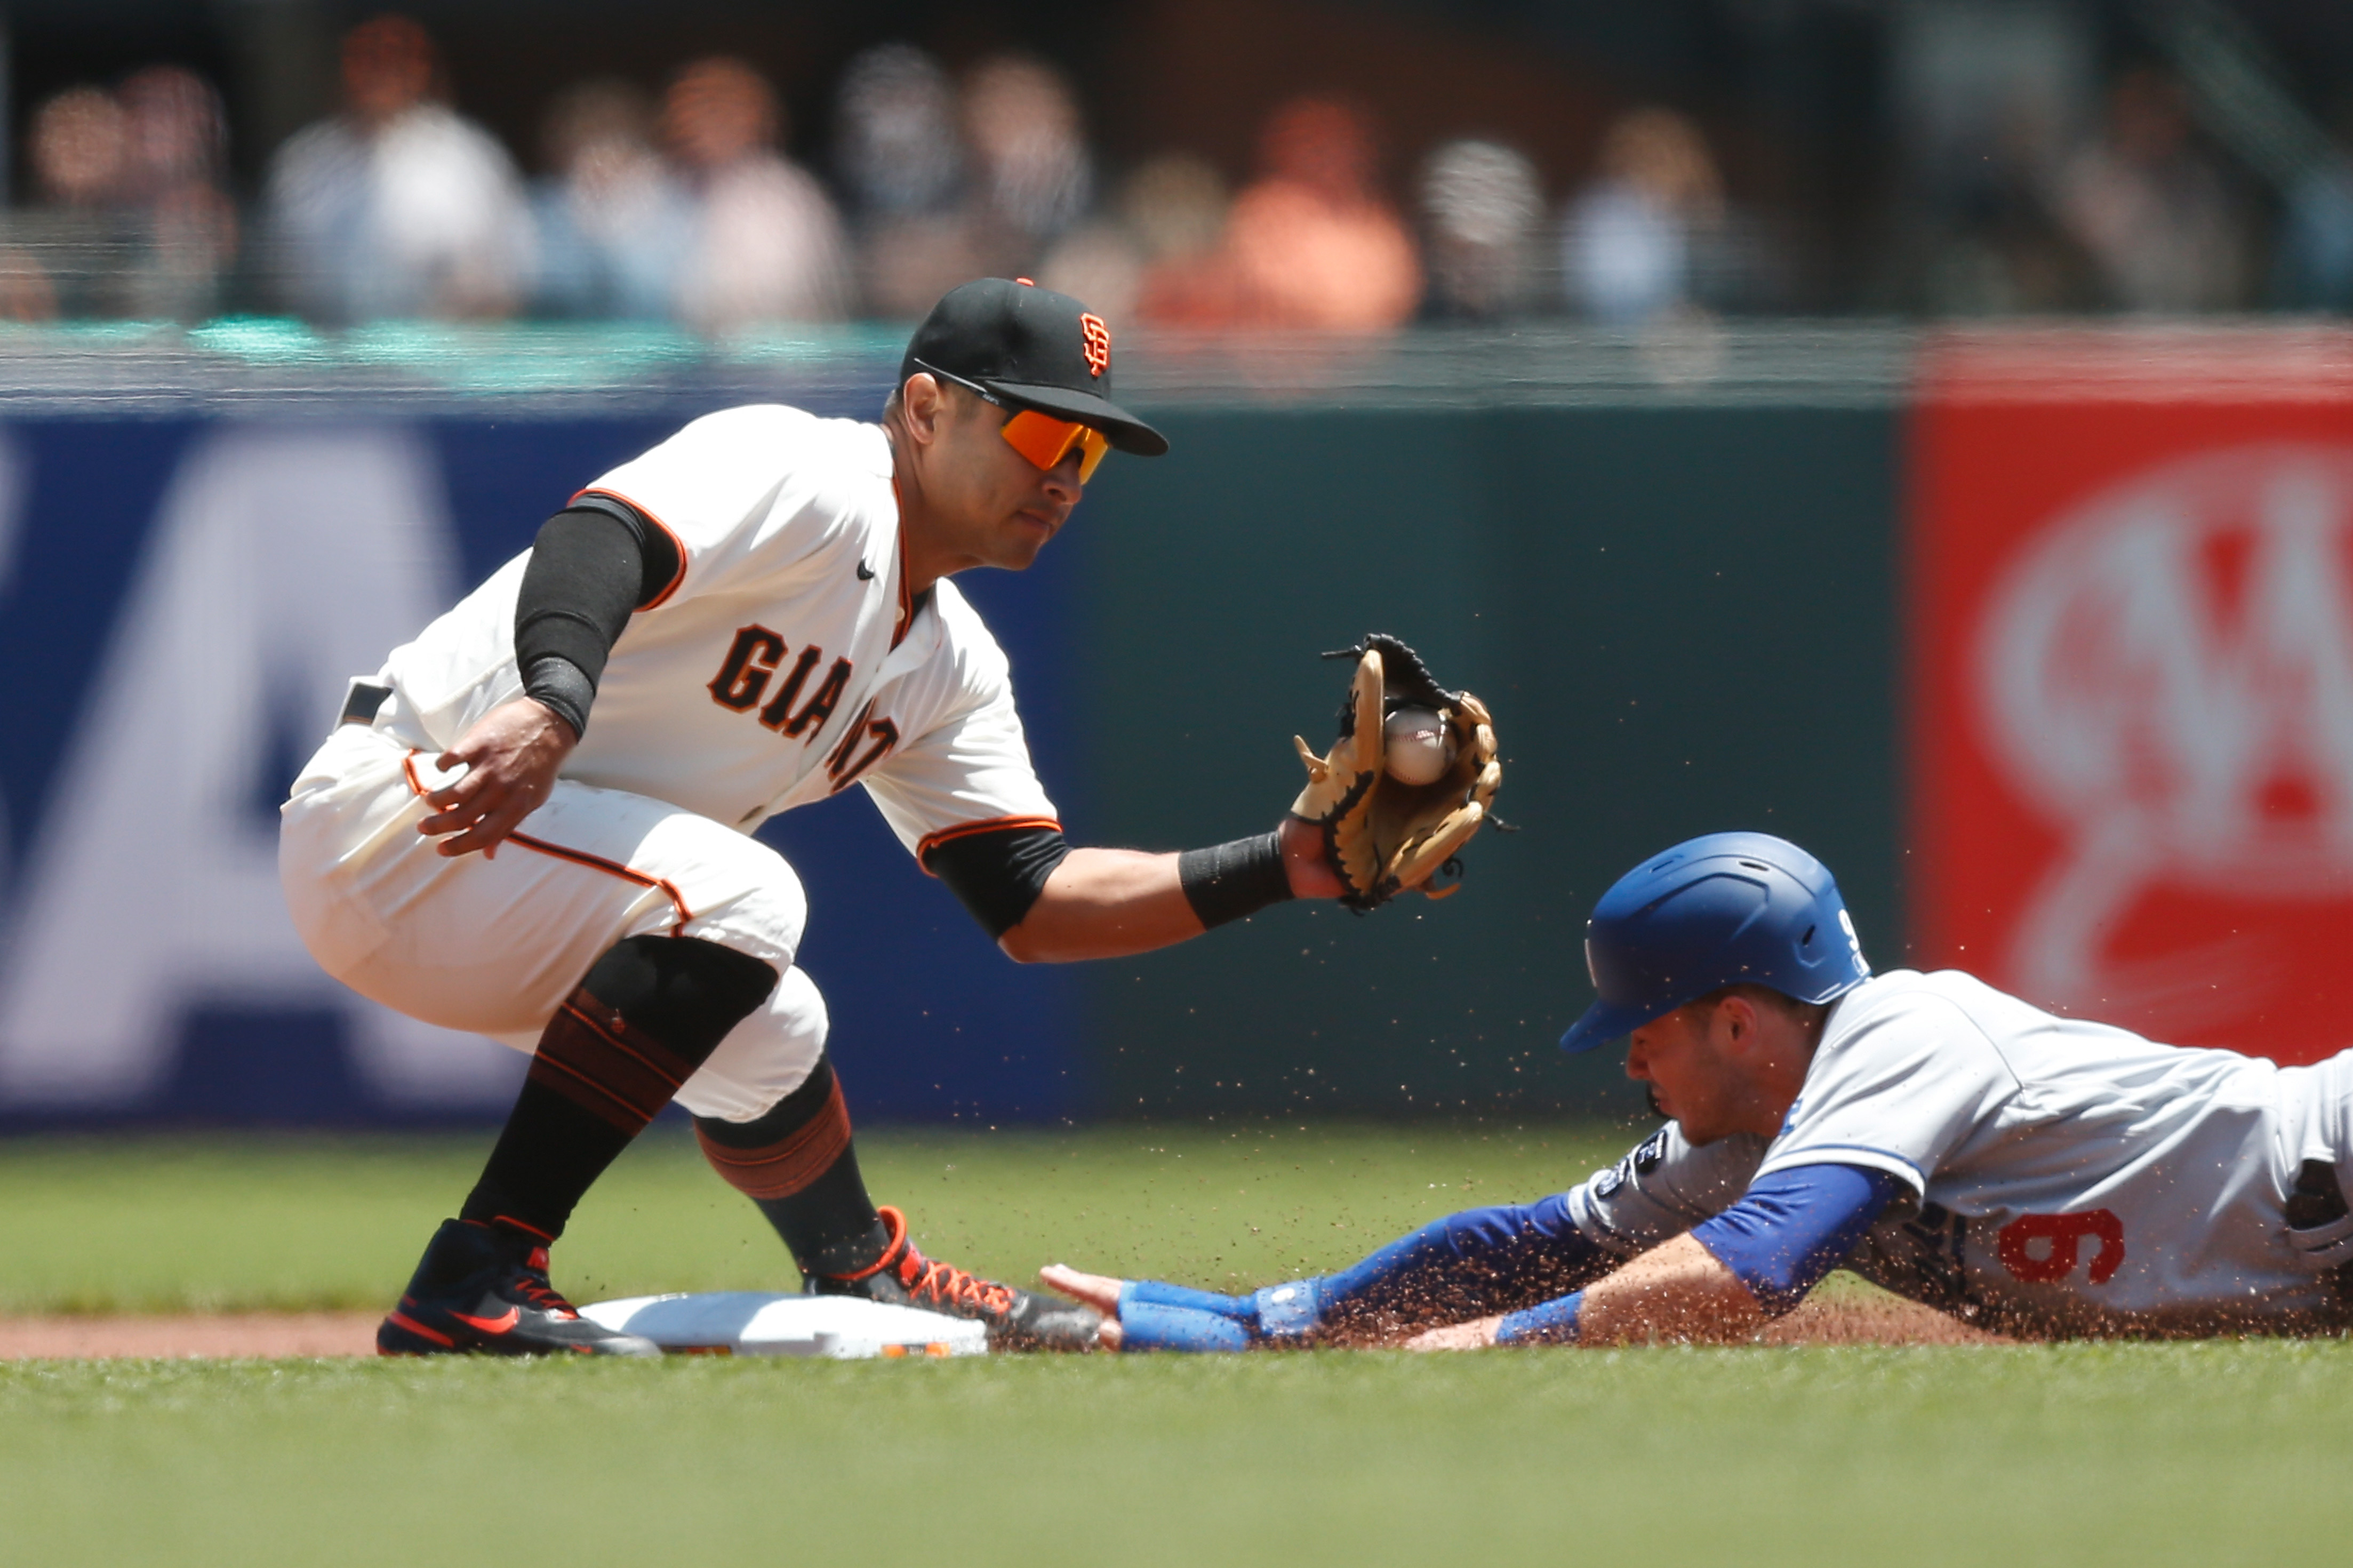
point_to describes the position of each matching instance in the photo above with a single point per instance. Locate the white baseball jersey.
(2063, 1176)
(785, 662)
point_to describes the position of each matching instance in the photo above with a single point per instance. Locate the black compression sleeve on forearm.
(1232, 881)
(998, 875)
(592, 564)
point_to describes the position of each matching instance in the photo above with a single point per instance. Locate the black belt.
(364, 699)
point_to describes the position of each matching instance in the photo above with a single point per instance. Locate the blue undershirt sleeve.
(1793, 1227)
(1788, 1230)
(1470, 1264)
(1464, 1265)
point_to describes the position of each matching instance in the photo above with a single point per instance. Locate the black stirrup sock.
(647, 1015)
(798, 1163)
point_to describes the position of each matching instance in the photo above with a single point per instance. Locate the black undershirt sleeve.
(593, 563)
(998, 876)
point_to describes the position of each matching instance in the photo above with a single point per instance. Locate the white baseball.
(1418, 748)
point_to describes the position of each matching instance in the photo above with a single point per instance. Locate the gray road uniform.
(2061, 1176)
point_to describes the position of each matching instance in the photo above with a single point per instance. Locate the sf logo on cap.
(1097, 344)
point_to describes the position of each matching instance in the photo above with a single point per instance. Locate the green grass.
(2029, 1455)
(2137, 1454)
(164, 1225)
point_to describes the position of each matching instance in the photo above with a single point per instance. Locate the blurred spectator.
(76, 245)
(901, 161)
(1989, 242)
(766, 246)
(1481, 206)
(1156, 255)
(1312, 243)
(2313, 268)
(132, 220)
(2151, 208)
(1032, 175)
(610, 214)
(397, 206)
(1633, 248)
(898, 148)
(1100, 264)
(2312, 264)
(1179, 208)
(175, 152)
(80, 149)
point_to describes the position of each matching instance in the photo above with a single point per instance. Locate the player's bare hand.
(1476, 1335)
(1312, 875)
(510, 757)
(1097, 1291)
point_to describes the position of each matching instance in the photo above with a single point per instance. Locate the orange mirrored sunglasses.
(1040, 437)
(1046, 441)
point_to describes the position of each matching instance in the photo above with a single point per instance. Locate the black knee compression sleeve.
(647, 1015)
(799, 1164)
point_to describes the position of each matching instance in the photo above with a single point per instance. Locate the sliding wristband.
(1550, 1323)
(1232, 881)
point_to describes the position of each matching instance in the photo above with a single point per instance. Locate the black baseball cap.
(1032, 348)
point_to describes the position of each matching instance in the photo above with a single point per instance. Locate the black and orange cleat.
(482, 1290)
(1017, 1321)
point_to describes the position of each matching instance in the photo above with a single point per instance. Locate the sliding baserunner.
(2022, 1171)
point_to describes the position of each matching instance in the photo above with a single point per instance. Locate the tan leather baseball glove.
(1385, 836)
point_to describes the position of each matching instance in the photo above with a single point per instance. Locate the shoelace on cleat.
(945, 1282)
(534, 1287)
(921, 1278)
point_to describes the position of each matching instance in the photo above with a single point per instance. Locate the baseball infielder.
(2030, 1174)
(534, 822)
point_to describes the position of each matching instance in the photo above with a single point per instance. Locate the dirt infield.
(1874, 1319)
(193, 1335)
(276, 1335)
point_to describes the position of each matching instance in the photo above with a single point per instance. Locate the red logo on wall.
(1096, 336)
(2131, 761)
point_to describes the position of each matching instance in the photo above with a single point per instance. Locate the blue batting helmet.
(1710, 912)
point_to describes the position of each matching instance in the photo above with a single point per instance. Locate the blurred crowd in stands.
(684, 208)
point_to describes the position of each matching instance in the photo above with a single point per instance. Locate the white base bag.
(754, 1322)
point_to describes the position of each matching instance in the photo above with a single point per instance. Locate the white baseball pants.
(494, 945)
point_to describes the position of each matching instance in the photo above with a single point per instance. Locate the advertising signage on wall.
(2131, 616)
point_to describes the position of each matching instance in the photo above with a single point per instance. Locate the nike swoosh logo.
(498, 1325)
(865, 572)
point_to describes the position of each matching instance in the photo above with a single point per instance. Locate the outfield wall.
(1681, 617)
(1676, 581)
